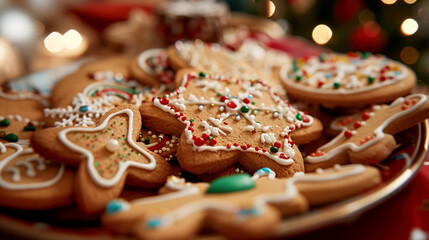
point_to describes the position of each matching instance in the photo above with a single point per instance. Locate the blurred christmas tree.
(398, 29)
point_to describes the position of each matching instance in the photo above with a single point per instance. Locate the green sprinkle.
(191, 120)
(28, 128)
(244, 109)
(336, 85)
(4, 123)
(298, 116)
(202, 74)
(218, 94)
(114, 122)
(96, 164)
(125, 149)
(119, 155)
(147, 140)
(253, 102)
(11, 137)
(298, 78)
(274, 149)
(371, 79)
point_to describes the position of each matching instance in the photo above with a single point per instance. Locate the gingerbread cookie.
(347, 80)
(238, 206)
(151, 66)
(26, 177)
(367, 137)
(107, 155)
(209, 57)
(101, 92)
(163, 144)
(223, 121)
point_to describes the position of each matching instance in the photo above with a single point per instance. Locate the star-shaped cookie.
(107, 156)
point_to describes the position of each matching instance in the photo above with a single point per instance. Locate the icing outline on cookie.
(62, 135)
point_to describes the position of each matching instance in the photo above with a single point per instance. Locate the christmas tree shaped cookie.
(223, 121)
(107, 156)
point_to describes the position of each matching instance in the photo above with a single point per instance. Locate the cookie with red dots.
(152, 67)
(223, 121)
(367, 137)
(82, 97)
(163, 144)
(347, 80)
(107, 156)
(237, 206)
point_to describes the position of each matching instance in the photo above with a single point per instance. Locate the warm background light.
(410, 1)
(71, 39)
(322, 34)
(53, 42)
(409, 55)
(271, 8)
(409, 26)
(388, 1)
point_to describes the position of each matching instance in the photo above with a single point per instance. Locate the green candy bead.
(336, 85)
(29, 128)
(11, 137)
(146, 140)
(244, 109)
(371, 79)
(4, 123)
(274, 149)
(233, 183)
(202, 74)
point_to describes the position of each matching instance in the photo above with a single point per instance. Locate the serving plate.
(397, 170)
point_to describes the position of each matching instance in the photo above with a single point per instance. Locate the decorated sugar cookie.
(225, 121)
(209, 57)
(152, 67)
(347, 80)
(26, 177)
(162, 144)
(104, 90)
(107, 155)
(367, 137)
(237, 205)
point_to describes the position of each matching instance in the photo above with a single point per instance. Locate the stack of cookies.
(212, 131)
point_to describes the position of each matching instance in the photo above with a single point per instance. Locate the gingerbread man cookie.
(238, 206)
(107, 155)
(224, 121)
(347, 80)
(367, 137)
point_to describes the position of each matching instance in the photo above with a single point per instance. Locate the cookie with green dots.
(107, 156)
(223, 121)
(347, 80)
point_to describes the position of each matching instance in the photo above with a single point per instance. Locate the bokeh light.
(410, 1)
(271, 8)
(16, 26)
(409, 26)
(388, 2)
(71, 39)
(53, 42)
(322, 34)
(409, 55)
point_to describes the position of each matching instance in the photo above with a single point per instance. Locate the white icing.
(29, 172)
(142, 58)
(62, 135)
(112, 145)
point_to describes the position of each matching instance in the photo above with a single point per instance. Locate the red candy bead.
(277, 144)
(164, 101)
(199, 141)
(365, 115)
(205, 136)
(246, 100)
(231, 105)
(357, 124)
(213, 141)
(348, 133)
(223, 98)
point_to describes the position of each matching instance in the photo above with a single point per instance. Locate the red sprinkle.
(263, 150)
(228, 146)
(246, 100)
(348, 133)
(199, 141)
(213, 141)
(248, 145)
(404, 107)
(277, 144)
(282, 155)
(183, 118)
(231, 105)
(223, 98)
(235, 145)
(383, 78)
(205, 136)
(225, 123)
(357, 124)
(305, 119)
(243, 147)
(365, 115)
(256, 148)
(164, 101)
